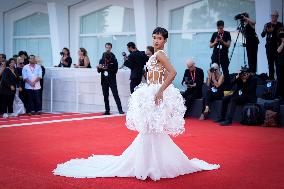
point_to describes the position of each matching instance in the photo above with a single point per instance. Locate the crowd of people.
(235, 88)
(21, 75)
(21, 81)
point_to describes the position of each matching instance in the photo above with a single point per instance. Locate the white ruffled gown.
(152, 153)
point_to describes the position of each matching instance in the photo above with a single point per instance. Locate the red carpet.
(43, 117)
(250, 157)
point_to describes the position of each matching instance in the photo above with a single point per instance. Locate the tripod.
(241, 29)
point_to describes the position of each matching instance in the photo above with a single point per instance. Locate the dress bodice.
(156, 71)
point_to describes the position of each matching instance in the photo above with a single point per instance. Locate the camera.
(213, 70)
(190, 82)
(61, 53)
(241, 16)
(269, 25)
(123, 54)
(281, 33)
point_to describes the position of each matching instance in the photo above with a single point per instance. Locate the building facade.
(44, 27)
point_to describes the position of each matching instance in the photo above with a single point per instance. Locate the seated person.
(65, 60)
(193, 78)
(245, 92)
(84, 61)
(215, 90)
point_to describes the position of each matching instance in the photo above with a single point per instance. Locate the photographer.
(245, 92)
(8, 84)
(83, 61)
(2, 68)
(252, 41)
(65, 60)
(135, 61)
(270, 30)
(215, 89)
(193, 79)
(220, 42)
(108, 67)
(24, 55)
(280, 60)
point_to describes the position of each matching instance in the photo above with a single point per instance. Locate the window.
(191, 28)
(32, 34)
(100, 27)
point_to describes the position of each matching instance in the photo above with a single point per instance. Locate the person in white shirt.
(32, 73)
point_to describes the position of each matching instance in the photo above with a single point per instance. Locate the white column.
(262, 11)
(59, 29)
(1, 32)
(140, 23)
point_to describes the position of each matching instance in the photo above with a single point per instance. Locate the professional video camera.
(241, 29)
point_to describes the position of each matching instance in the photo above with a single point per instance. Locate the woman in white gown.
(156, 111)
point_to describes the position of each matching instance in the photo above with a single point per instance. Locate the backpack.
(270, 90)
(271, 119)
(251, 114)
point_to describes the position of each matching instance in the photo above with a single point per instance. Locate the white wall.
(262, 12)
(79, 90)
(14, 15)
(1, 32)
(85, 8)
(59, 29)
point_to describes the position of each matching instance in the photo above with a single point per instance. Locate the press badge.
(269, 84)
(214, 90)
(240, 92)
(105, 73)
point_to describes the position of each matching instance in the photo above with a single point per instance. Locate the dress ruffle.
(145, 116)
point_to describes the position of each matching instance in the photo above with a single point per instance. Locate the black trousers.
(190, 95)
(272, 60)
(280, 79)
(1, 104)
(234, 100)
(24, 98)
(8, 103)
(106, 84)
(211, 96)
(252, 49)
(33, 100)
(134, 83)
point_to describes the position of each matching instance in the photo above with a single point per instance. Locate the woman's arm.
(280, 48)
(161, 57)
(250, 21)
(218, 83)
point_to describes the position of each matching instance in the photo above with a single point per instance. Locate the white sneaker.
(13, 115)
(5, 115)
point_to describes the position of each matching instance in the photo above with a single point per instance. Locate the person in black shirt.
(65, 60)
(252, 42)
(22, 93)
(8, 85)
(2, 68)
(135, 61)
(245, 92)
(280, 60)
(24, 55)
(220, 42)
(194, 79)
(214, 88)
(270, 31)
(83, 61)
(108, 67)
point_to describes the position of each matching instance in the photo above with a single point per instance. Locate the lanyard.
(32, 69)
(193, 75)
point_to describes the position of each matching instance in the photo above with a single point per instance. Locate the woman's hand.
(12, 87)
(158, 98)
